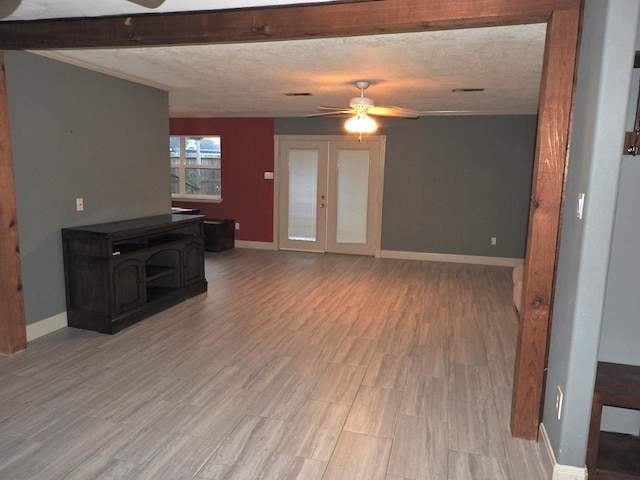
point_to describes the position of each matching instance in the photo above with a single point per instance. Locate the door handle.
(322, 205)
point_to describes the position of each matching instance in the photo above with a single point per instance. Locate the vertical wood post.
(13, 336)
(556, 95)
(391, 16)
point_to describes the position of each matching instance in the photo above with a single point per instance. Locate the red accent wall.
(246, 147)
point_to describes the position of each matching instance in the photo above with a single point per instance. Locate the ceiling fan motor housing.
(361, 104)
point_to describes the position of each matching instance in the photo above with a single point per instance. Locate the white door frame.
(377, 203)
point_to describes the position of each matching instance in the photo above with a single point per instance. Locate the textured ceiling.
(413, 70)
(38, 9)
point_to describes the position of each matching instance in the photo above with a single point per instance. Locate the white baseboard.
(449, 258)
(46, 326)
(256, 245)
(557, 471)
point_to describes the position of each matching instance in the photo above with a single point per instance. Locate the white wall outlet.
(268, 175)
(237, 226)
(79, 204)
(494, 240)
(580, 205)
(559, 398)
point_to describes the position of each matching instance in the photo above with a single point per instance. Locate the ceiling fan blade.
(392, 112)
(331, 112)
(336, 109)
(7, 7)
(147, 3)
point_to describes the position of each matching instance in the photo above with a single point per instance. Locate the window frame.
(182, 166)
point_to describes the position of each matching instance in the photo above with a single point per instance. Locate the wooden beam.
(544, 220)
(12, 319)
(388, 16)
(273, 23)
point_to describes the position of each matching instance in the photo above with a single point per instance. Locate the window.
(195, 167)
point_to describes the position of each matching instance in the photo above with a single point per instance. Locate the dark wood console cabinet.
(614, 456)
(121, 272)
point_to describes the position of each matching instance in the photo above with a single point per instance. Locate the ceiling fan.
(148, 3)
(360, 106)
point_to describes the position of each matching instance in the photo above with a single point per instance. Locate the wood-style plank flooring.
(292, 366)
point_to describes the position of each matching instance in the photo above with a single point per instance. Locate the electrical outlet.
(79, 204)
(494, 240)
(559, 398)
(237, 226)
(580, 206)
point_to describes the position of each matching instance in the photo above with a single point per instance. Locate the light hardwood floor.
(292, 366)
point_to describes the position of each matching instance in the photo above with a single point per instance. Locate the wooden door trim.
(369, 18)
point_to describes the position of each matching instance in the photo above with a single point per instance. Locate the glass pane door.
(352, 196)
(303, 195)
(353, 183)
(303, 191)
(329, 194)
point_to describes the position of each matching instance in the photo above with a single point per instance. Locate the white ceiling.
(39, 9)
(414, 70)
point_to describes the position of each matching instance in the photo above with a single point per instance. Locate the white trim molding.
(46, 326)
(449, 258)
(557, 471)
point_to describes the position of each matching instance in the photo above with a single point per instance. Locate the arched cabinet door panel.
(128, 284)
(192, 263)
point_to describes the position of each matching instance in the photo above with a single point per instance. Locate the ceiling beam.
(367, 18)
(272, 23)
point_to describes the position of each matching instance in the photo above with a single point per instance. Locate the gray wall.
(77, 133)
(602, 91)
(620, 322)
(451, 183)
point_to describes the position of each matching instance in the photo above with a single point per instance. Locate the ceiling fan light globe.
(361, 124)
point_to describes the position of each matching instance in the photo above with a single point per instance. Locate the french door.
(330, 194)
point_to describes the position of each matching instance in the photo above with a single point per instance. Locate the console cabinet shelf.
(121, 272)
(614, 456)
